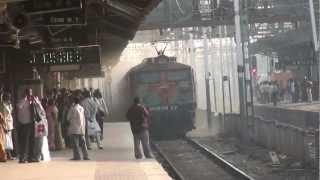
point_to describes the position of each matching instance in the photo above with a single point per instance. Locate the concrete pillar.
(227, 124)
(273, 135)
(303, 149)
(269, 133)
(264, 133)
(317, 151)
(278, 137)
(292, 141)
(82, 83)
(283, 137)
(259, 130)
(286, 139)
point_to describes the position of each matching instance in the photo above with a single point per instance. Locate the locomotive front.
(167, 89)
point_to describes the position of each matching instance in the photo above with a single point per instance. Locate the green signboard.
(74, 17)
(67, 55)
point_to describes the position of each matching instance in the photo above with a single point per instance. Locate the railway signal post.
(314, 8)
(207, 81)
(245, 86)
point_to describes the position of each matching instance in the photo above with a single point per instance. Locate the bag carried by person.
(9, 143)
(40, 129)
(36, 113)
(146, 118)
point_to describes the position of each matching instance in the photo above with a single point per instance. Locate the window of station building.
(148, 77)
(178, 75)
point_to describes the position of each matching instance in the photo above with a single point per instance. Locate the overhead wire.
(179, 7)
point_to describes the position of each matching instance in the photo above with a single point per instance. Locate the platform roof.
(111, 23)
(282, 41)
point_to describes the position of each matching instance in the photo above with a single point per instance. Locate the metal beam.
(131, 11)
(208, 23)
(257, 16)
(117, 30)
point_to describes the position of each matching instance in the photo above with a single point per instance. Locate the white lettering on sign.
(56, 20)
(164, 108)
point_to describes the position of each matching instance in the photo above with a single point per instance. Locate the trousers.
(26, 141)
(142, 138)
(79, 142)
(37, 150)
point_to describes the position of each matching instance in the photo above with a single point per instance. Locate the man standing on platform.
(77, 129)
(139, 118)
(26, 127)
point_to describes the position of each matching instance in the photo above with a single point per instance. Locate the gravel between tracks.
(254, 160)
(191, 163)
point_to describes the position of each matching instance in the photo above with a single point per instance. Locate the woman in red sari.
(3, 154)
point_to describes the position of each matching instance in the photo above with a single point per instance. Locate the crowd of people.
(61, 119)
(294, 91)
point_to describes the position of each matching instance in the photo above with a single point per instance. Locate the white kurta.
(102, 105)
(90, 108)
(76, 119)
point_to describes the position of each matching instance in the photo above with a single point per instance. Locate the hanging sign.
(67, 55)
(68, 18)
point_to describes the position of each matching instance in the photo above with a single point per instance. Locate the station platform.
(115, 162)
(313, 106)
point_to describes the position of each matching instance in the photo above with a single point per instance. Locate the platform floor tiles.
(115, 162)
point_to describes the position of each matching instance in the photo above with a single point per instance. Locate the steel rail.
(167, 161)
(220, 161)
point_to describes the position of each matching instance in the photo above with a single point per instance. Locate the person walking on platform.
(64, 107)
(275, 93)
(309, 87)
(297, 91)
(139, 119)
(52, 115)
(306, 90)
(92, 127)
(41, 146)
(3, 156)
(6, 110)
(77, 128)
(102, 110)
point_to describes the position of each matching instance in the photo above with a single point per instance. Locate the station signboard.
(66, 56)
(64, 40)
(50, 6)
(63, 36)
(74, 17)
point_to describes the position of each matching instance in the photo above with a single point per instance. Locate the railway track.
(187, 159)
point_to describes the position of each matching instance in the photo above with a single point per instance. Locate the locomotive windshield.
(179, 76)
(148, 77)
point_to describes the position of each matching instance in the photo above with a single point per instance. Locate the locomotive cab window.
(148, 77)
(178, 76)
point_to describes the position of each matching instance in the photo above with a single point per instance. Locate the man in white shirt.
(77, 130)
(26, 127)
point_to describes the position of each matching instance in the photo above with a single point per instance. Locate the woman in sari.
(52, 114)
(6, 110)
(3, 154)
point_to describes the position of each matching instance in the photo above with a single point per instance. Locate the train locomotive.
(167, 88)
